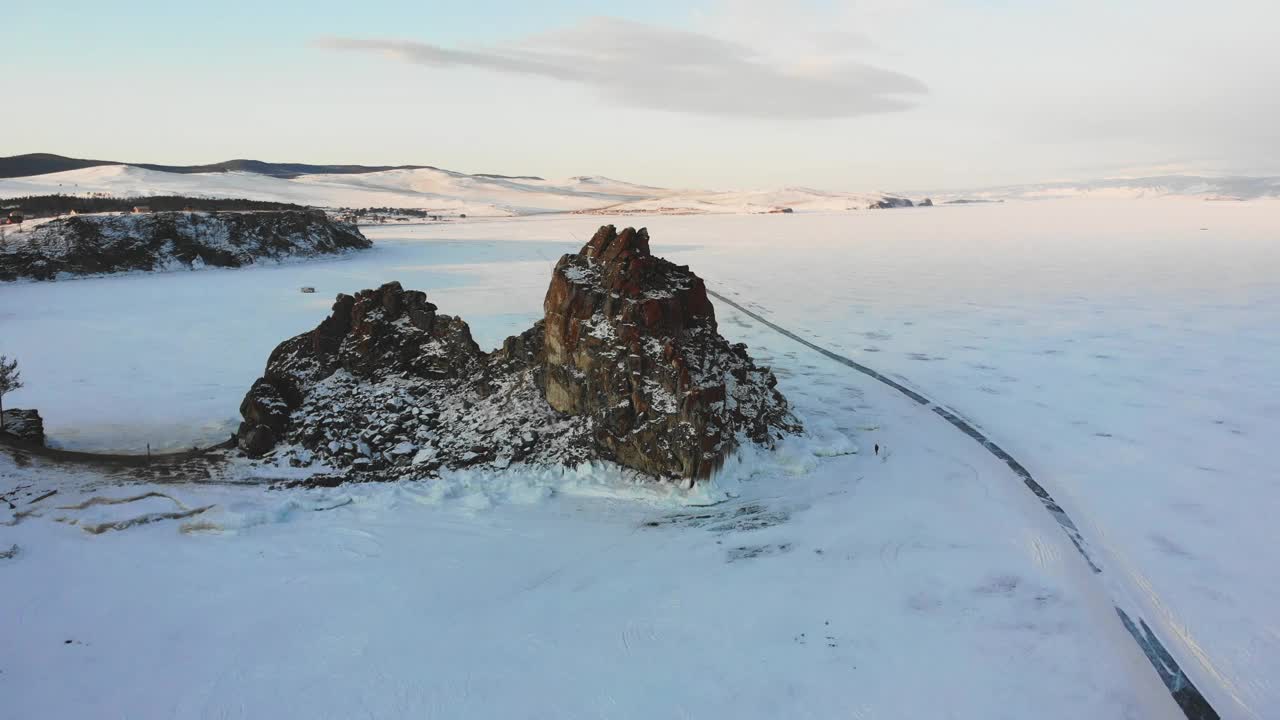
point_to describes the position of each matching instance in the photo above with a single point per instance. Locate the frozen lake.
(1125, 351)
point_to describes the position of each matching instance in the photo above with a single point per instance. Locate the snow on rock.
(25, 425)
(113, 242)
(631, 340)
(627, 366)
(887, 203)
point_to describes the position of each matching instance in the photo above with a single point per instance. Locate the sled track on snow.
(200, 465)
(98, 459)
(1185, 694)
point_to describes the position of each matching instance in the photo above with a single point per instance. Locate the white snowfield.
(1124, 354)
(820, 581)
(1220, 188)
(744, 202)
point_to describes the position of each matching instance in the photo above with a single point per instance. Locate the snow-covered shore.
(105, 243)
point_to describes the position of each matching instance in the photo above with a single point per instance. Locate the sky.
(732, 94)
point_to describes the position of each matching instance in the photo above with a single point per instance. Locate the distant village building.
(141, 209)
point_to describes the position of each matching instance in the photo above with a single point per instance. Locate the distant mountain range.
(45, 163)
(334, 186)
(426, 187)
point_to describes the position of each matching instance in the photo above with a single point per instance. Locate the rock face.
(887, 203)
(25, 425)
(109, 243)
(387, 387)
(627, 365)
(632, 342)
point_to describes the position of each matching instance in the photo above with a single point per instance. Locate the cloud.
(665, 69)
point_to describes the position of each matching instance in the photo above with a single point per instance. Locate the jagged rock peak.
(607, 245)
(631, 341)
(370, 336)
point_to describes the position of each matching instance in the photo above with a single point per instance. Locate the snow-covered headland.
(113, 242)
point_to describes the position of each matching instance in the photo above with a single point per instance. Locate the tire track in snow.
(1184, 692)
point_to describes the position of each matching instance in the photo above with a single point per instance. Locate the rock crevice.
(632, 342)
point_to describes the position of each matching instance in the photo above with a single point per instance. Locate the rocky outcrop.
(387, 386)
(110, 243)
(25, 425)
(632, 343)
(887, 203)
(627, 365)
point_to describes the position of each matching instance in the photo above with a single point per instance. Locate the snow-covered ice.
(1120, 351)
(814, 582)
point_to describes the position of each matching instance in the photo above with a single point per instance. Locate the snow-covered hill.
(440, 190)
(454, 193)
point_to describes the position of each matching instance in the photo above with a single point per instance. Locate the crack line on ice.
(1184, 692)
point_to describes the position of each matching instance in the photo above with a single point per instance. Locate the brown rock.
(631, 340)
(255, 440)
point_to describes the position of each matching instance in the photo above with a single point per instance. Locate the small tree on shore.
(10, 380)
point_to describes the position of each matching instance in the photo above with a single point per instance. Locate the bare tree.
(10, 380)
